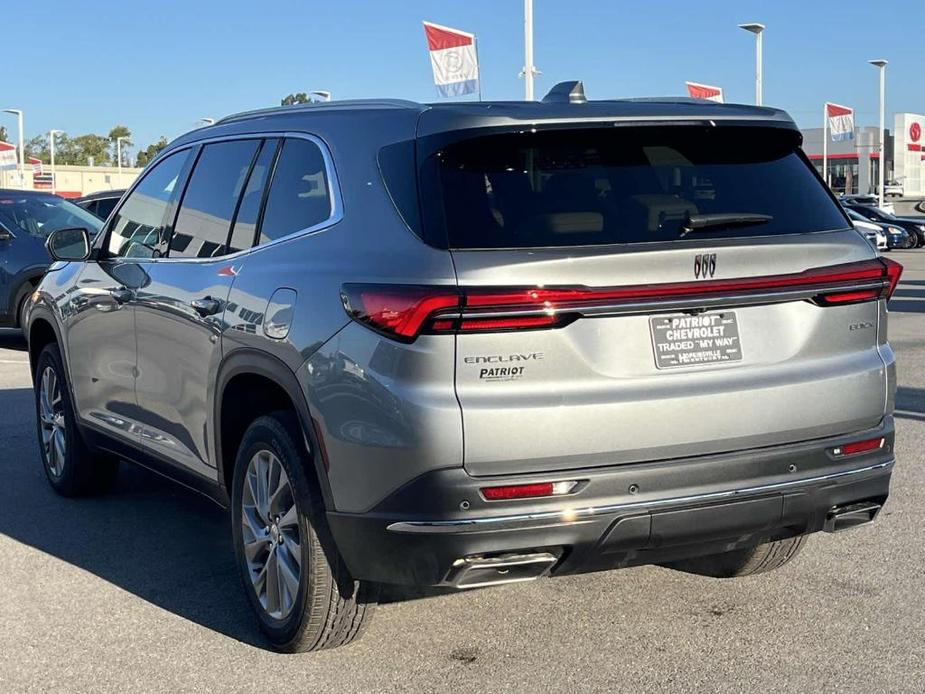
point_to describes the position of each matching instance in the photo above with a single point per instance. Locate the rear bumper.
(676, 509)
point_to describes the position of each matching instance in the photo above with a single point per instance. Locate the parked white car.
(893, 189)
(872, 232)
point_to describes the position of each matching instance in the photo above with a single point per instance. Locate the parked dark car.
(468, 344)
(101, 203)
(896, 236)
(26, 220)
(915, 226)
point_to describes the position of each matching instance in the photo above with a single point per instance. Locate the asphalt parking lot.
(137, 591)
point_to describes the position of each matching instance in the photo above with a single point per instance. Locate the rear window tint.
(619, 186)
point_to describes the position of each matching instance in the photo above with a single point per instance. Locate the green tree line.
(80, 150)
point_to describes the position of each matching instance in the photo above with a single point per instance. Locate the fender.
(30, 275)
(251, 361)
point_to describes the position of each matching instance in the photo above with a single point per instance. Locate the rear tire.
(302, 595)
(72, 468)
(743, 562)
(19, 305)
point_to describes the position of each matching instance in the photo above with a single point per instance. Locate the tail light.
(405, 311)
(528, 491)
(856, 447)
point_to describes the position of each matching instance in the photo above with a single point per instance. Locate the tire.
(743, 562)
(72, 468)
(19, 306)
(285, 532)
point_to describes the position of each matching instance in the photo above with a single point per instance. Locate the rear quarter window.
(625, 185)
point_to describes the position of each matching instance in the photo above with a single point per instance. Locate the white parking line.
(13, 361)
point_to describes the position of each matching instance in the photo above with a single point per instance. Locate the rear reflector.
(405, 311)
(528, 491)
(856, 447)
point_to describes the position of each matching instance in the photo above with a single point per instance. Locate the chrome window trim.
(336, 195)
(585, 515)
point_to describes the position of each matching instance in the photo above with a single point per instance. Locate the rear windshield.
(619, 186)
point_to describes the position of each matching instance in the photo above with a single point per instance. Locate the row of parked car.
(881, 226)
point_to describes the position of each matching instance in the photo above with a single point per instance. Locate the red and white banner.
(841, 121)
(8, 158)
(453, 58)
(36, 165)
(705, 91)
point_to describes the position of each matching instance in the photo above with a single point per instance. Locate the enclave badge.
(704, 265)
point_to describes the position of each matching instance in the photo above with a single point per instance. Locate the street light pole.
(22, 145)
(51, 151)
(881, 165)
(757, 30)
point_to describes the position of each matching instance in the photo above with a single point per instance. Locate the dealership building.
(854, 165)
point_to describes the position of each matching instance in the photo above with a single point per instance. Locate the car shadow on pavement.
(12, 339)
(910, 403)
(149, 536)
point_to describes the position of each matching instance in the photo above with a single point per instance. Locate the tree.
(3, 134)
(151, 151)
(81, 149)
(117, 132)
(292, 99)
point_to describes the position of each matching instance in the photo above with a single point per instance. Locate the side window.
(245, 224)
(139, 229)
(211, 198)
(299, 196)
(105, 207)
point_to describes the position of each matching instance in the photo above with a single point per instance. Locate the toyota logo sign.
(915, 132)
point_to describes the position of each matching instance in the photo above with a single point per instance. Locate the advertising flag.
(705, 91)
(841, 121)
(454, 60)
(36, 165)
(8, 158)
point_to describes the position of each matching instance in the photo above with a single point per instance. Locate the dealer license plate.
(686, 340)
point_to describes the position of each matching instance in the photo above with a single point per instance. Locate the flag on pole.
(454, 60)
(841, 121)
(36, 165)
(8, 158)
(705, 91)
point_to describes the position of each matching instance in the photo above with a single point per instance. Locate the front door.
(179, 315)
(100, 313)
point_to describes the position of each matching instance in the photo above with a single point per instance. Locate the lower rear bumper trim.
(576, 516)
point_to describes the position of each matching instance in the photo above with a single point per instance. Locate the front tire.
(743, 562)
(302, 594)
(71, 467)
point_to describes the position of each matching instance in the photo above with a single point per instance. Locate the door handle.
(206, 306)
(122, 295)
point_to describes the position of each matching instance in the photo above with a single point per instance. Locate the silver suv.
(469, 344)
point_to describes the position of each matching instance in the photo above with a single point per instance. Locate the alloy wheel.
(271, 534)
(51, 414)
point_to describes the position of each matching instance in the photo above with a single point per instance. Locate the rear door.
(179, 312)
(624, 318)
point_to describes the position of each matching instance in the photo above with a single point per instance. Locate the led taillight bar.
(405, 311)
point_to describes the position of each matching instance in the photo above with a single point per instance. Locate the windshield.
(622, 185)
(42, 214)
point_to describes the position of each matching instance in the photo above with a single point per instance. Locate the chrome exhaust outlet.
(475, 572)
(851, 516)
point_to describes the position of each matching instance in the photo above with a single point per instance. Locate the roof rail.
(321, 106)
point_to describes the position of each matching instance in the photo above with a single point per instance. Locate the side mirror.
(69, 244)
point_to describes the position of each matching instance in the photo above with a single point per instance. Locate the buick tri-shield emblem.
(704, 265)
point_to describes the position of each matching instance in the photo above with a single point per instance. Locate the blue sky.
(159, 66)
